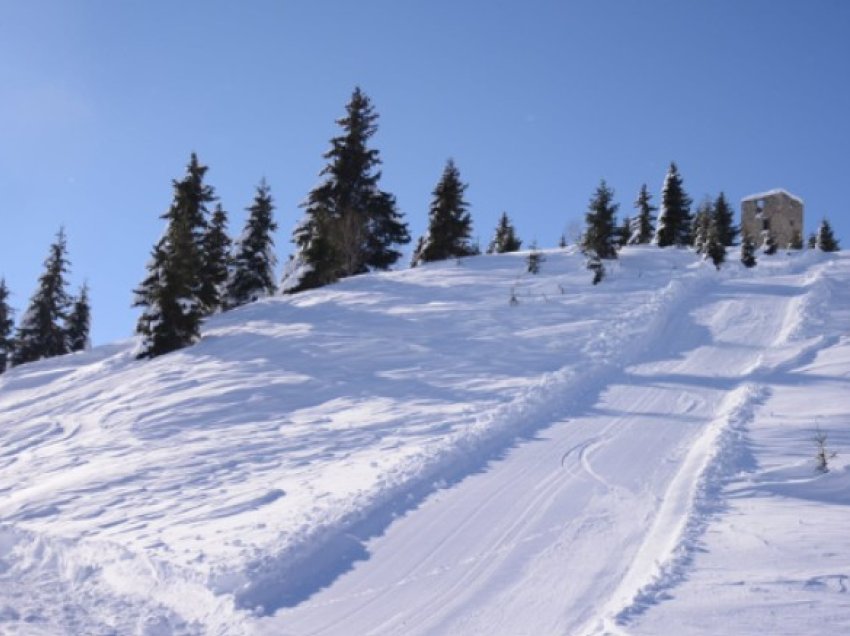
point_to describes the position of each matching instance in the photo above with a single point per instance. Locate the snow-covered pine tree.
(171, 292)
(674, 219)
(78, 323)
(349, 226)
(714, 247)
(643, 225)
(599, 235)
(701, 224)
(825, 240)
(252, 272)
(7, 323)
(216, 261)
(727, 231)
(449, 222)
(40, 333)
(505, 239)
(748, 252)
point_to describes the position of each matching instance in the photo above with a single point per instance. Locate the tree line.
(350, 226)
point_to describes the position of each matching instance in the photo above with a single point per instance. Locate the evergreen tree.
(599, 235)
(748, 252)
(216, 261)
(643, 225)
(505, 238)
(826, 241)
(812, 241)
(796, 241)
(714, 247)
(674, 219)
(175, 294)
(449, 222)
(254, 260)
(701, 225)
(562, 242)
(78, 323)
(40, 333)
(724, 215)
(350, 226)
(7, 323)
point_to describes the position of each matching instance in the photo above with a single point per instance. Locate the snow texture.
(408, 453)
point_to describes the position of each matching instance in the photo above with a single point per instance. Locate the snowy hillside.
(407, 453)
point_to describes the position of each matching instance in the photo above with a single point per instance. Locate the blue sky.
(535, 100)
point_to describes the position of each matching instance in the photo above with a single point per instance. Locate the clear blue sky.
(536, 101)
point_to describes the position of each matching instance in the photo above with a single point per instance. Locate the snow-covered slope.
(407, 453)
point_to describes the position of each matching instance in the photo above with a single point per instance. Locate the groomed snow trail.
(578, 524)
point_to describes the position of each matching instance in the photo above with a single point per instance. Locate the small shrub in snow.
(534, 260)
(823, 455)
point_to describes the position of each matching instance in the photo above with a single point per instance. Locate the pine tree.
(595, 265)
(562, 242)
(78, 323)
(505, 239)
(724, 215)
(254, 260)
(174, 294)
(701, 225)
(40, 333)
(643, 225)
(826, 241)
(350, 226)
(748, 252)
(449, 222)
(599, 235)
(812, 241)
(714, 247)
(216, 261)
(7, 323)
(674, 219)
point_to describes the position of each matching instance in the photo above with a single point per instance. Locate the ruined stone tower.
(777, 212)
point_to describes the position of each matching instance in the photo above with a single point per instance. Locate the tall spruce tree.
(449, 222)
(825, 240)
(600, 236)
(643, 225)
(174, 294)
(350, 225)
(7, 324)
(727, 231)
(216, 261)
(674, 219)
(505, 239)
(40, 333)
(78, 323)
(254, 260)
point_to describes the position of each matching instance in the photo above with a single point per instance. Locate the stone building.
(777, 212)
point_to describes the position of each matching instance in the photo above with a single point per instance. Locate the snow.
(406, 453)
(769, 193)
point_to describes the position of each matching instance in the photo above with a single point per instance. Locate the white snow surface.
(407, 453)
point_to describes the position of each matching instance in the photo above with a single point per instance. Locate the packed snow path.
(401, 454)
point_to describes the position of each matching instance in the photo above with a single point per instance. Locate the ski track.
(512, 490)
